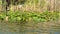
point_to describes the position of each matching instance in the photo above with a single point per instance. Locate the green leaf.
(2, 16)
(18, 18)
(36, 19)
(12, 19)
(42, 20)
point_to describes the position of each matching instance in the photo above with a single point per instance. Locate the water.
(30, 28)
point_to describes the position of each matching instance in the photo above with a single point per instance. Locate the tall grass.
(33, 5)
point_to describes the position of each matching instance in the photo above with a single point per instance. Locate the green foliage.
(12, 19)
(19, 16)
(2, 16)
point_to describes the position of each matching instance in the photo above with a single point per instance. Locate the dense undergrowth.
(18, 16)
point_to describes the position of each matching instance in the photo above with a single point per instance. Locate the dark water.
(30, 28)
